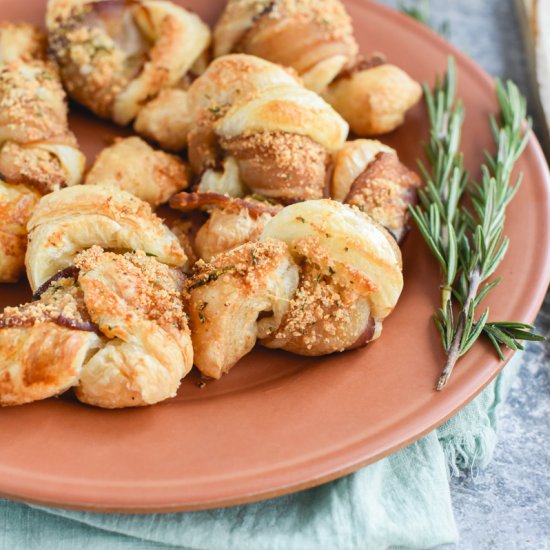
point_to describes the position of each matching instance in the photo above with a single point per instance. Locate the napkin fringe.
(467, 452)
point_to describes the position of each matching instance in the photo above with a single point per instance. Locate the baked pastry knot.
(114, 55)
(38, 153)
(16, 205)
(322, 278)
(368, 174)
(254, 121)
(111, 325)
(132, 165)
(350, 277)
(231, 222)
(240, 296)
(74, 219)
(36, 146)
(315, 37)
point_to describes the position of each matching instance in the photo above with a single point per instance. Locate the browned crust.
(362, 64)
(48, 361)
(30, 40)
(324, 316)
(298, 34)
(30, 115)
(77, 41)
(193, 201)
(31, 166)
(119, 286)
(17, 203)
(280, 165)
(133, 165)
(247, 263)
(384, 191)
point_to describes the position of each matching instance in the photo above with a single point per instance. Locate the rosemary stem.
(446, 294)
(453, 353)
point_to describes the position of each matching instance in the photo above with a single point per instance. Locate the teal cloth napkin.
(400, 502)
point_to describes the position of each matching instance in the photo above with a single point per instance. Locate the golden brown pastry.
(136, 303)
(41, 360)
(134, 166)
(350, 277)
(21, 41)
(74, 219)
(278, 134)
(322, 278)
(36, 146)
(367, 174)
(16, 205)
(166, 119)
(240, 296)
(231, 222)
(115, 56)
(112, 326)
(374, 99)
(315, 37)
(38, 152)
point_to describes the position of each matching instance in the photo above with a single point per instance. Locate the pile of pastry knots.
(287, 233)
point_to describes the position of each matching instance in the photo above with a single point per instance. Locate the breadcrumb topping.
(328, 16)
(315, 309)
(280, 164)
(150, 288)
(248, 264)
(32, 101)
(94, 69)
(384, 191)
(62, 303)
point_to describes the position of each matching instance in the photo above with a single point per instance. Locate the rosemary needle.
(468, 241)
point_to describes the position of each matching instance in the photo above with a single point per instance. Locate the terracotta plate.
(279, 422)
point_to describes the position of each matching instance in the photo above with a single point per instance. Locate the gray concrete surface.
(506, 506)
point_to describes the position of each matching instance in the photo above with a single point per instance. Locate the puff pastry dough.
(240, 296)
(132, 165)
(315, 37)
(322, 278)
(350, 277)
(367, 174)
(166, 119)
(231, 221)
(112, 326)
(374, 100)
(16, 205)
(38, 153)
(279, 134)
(41, 361)
(136, 303)
(21, 41)
(76, 218)
(115, 56)
(36, 145)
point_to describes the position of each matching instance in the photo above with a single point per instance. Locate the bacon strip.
(366, 336)
(87, 326)
(18, 322)
(362, 65)
(192, 201)
(69, 272)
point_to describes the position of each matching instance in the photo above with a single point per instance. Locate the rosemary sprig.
(469, 242)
